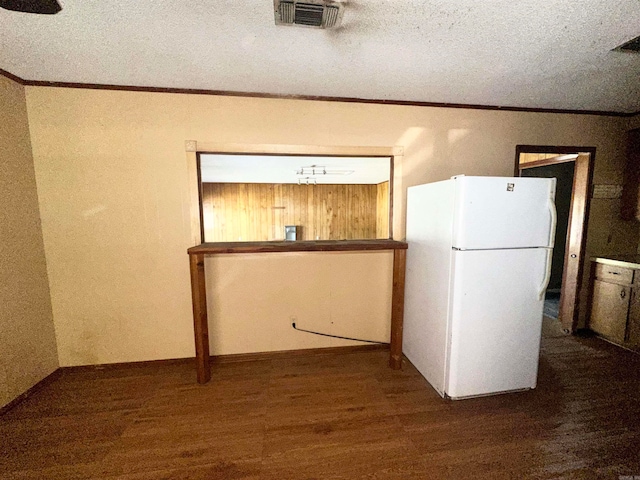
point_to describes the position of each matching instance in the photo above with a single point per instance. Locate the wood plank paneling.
(535, 157)
(382, 202)
(258, 212)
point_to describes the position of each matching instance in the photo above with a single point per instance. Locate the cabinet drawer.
(614, 274)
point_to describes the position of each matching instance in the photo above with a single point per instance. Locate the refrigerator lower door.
(495, 321)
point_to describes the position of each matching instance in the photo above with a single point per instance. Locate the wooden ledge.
(297, 246)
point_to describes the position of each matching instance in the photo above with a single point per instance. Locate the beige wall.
(113, 182)
(28, 347)
(255, 298)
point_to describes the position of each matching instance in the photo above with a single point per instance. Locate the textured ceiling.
(282, 169)
(527, 53)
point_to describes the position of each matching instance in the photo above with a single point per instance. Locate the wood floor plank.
(36, 443)
(225, 470)
(351, 447)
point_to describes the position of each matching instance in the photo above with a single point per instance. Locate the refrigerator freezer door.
(496, 321)
(503, 212)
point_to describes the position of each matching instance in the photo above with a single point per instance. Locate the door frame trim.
(578, 221)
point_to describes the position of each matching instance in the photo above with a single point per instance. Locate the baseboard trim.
(306, 352)
(230, 358)
(122, 365)
(38, 386)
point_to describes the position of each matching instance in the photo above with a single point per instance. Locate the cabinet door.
(634, 317)
(609, 310)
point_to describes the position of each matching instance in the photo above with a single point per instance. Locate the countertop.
(297, 246)
(626, 261)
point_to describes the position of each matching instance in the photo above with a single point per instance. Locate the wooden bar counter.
(198, 285)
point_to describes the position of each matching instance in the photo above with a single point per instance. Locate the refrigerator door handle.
(554, 222)
(547, 274)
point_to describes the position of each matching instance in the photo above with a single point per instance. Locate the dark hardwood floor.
(339, 416)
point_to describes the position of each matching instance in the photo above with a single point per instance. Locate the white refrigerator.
(478, 265)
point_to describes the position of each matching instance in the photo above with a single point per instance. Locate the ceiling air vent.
(308, 13)
(632, 45)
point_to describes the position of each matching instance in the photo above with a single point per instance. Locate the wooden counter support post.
(200, 322)
(397, 309)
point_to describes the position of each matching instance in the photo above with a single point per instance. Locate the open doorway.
(573, 168)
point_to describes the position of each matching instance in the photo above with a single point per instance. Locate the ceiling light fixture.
(307, 181)
(314, 170)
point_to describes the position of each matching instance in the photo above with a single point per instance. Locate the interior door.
(576, 245)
